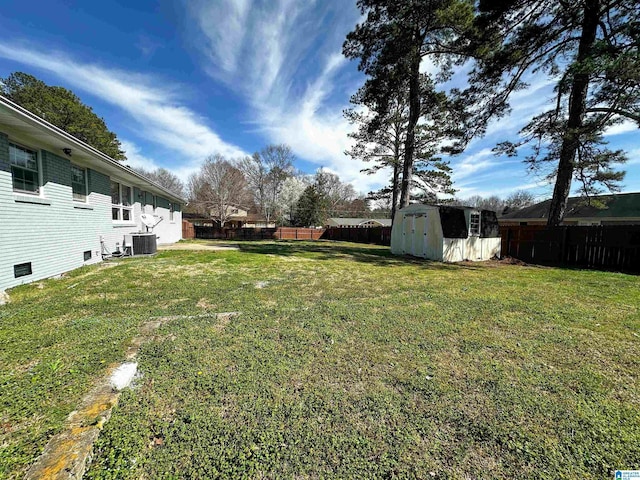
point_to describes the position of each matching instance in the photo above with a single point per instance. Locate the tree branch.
(623, 113)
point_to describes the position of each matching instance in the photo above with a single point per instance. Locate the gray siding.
(98, 182)
(163, 202)
(55, 169)
(5, 166)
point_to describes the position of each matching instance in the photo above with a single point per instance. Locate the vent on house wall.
(22, 269)
(87, 255)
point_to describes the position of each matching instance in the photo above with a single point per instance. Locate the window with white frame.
(171, 210)
(24, 169)
(121, 202)
(474, 224)
(79, 183)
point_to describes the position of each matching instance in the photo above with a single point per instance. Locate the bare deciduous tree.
(218, 188)
(163, 177)
(266, 172)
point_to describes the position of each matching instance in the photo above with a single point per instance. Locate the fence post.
(563, 245)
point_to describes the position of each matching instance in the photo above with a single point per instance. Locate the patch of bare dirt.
(198, 246)
(204, 303)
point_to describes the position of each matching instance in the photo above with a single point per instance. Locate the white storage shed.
(444, 233)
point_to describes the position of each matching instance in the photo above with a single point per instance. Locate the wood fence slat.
(608, 247)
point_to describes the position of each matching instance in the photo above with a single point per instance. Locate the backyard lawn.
(344, 362)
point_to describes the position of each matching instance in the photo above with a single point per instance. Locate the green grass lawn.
(345, 362)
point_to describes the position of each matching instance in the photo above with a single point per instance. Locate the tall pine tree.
(382, 142)
(391, 44)
(591, 49)
(62, 108)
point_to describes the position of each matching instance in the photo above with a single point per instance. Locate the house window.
(474, 224)
(79, 183)
(171, 212)
(121, 201)
(24, 169)
(87, 255)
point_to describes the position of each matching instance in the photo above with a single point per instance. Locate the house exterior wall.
(584, 221)
(52, 231)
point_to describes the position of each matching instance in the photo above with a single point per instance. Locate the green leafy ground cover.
(345, 362)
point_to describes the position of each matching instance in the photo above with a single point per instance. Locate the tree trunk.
(395, 181)
(394, 189)
(577, 99)
(414, 115)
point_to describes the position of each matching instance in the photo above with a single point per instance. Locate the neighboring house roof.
(256, 217)
(32, 126)
(623, 205)
(355, 222)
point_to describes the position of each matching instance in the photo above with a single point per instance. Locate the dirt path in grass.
(198, 246)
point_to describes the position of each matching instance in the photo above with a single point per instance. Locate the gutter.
(39, 122)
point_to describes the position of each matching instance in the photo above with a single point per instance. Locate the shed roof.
(423, 207)
(31, 126)
(622, 205)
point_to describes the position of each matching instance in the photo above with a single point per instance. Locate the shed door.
(420, 236)
(408, 234)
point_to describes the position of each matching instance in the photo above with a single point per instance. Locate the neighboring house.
(620, 209)
(242, 218)
(358, 222)
(64, 204)
(444, 233)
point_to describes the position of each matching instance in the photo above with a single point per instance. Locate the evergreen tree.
(391, 44)
(310, 206)
(382, 142)
(62, 108)
(591, 48)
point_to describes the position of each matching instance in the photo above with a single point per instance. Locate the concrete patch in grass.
(68, 454)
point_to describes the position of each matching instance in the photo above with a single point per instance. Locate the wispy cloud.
(620, 128)
(160, 115)
(135, 157)
(633, 157)
(469, 165)
(284, 57)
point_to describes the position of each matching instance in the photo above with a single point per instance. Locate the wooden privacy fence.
(291, 233)
(607, 247)
(211, 233)
(282, 233)
(188, 230)
(376, 235)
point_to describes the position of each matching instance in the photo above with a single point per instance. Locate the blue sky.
(179, 80)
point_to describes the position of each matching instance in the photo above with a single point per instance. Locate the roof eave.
(40, 123)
